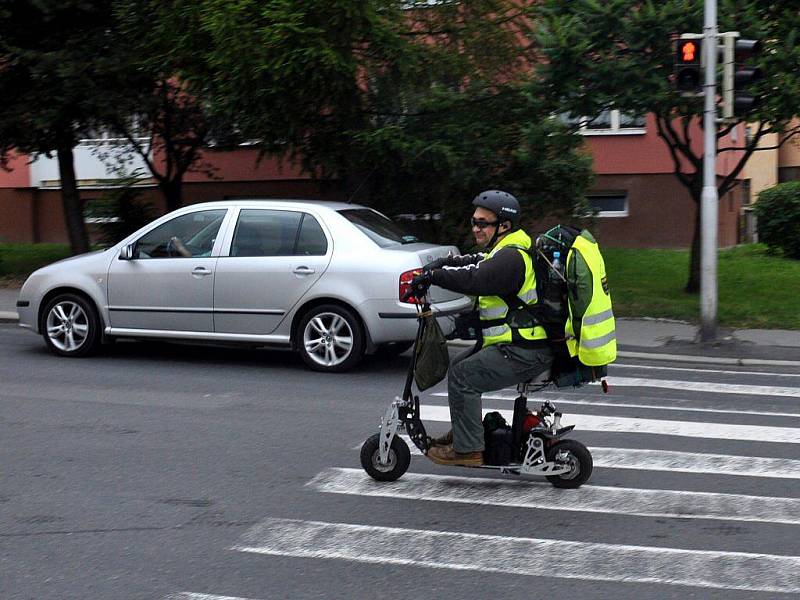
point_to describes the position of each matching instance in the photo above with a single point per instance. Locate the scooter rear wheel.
(399, 458)
(577, 456)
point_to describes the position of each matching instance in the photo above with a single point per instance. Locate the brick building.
(641, 203)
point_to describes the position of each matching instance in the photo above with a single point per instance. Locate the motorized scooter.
(537, 438)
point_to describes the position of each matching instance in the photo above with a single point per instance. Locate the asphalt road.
(164, 471)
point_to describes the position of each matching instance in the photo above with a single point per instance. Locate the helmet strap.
(496, 234)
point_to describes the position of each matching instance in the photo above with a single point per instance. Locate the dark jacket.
(469, 274)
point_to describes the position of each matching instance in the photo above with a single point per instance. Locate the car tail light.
(405, 286)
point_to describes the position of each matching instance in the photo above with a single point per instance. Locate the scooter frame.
(403, 415)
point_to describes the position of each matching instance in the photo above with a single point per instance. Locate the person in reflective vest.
(590, 328)
(514, 347)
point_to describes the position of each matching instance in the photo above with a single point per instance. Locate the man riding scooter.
(514, 347)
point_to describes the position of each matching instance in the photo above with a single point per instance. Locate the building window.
(746, 199)
(103, 136)
(609, 204)
(788, 174)
(608, 122)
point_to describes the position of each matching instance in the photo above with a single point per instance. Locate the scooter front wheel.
(397, 463)
(577, 457)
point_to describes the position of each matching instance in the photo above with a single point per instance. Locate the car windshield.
(381, 230)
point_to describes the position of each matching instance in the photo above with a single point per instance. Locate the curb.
(742, 362)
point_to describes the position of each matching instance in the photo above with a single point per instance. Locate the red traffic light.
(688, 75)
(687, 51)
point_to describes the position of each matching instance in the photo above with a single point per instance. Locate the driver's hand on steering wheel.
(176, 243)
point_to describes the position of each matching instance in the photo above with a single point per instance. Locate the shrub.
(778, 213)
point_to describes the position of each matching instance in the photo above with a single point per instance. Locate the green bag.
(432, 358)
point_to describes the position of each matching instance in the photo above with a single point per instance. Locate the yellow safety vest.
(499, 324)
(595, 343)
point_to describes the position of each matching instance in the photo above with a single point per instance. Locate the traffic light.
(744, 75)
(688, 65)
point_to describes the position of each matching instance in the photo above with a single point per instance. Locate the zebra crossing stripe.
(690, 462)
(674, 407)
(616, 366)
(682, 462)
(705, 386)
(717, 431)
(193, 596)
(523, 556)
(523, 493)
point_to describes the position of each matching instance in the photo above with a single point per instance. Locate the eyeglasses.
(480, 224)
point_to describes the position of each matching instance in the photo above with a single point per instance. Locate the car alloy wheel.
(328, 339)
(70, 325)
(67, 326)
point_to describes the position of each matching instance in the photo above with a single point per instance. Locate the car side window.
(312, 240)
(188, 236)
(265, 233)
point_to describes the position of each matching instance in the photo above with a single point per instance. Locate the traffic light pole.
(709, 200)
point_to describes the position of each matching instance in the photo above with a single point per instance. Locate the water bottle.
(557, 261)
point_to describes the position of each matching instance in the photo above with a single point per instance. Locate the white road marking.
(704, 386)
(523, 493)
(690, 462)
(719, 360)
(615, 366)
(673, 407)
(682, 462)
(524, 556)
(193, 596)
(717, 431)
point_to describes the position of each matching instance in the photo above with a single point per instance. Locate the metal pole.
(709, 200)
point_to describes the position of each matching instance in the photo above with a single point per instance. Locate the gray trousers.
(491, 368)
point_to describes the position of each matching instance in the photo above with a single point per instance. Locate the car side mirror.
(128, 252)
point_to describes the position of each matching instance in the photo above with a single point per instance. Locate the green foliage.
(412, 111)
(120, 211)
(778, 213)
(20, 260)
(57, 76)
(57, 73)
(754, 287)
(619, 54)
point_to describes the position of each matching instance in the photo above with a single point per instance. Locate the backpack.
(574, 299)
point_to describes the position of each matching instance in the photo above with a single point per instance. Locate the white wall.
(93, 162)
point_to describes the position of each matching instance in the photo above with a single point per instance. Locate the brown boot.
(443, 440)
(445, 455)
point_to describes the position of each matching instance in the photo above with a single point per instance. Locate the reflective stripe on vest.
(493, 310)
(596, 343)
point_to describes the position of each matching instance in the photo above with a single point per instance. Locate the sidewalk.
(647, 338)
(8, 304)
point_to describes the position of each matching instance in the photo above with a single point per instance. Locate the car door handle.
(303, 271)
(201, 271)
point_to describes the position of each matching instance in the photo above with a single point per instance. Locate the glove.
(421, 283)
(435, 264)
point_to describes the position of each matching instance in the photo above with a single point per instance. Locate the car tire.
(71, 326)
(330, 338)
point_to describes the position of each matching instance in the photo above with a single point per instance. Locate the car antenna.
(375, 168)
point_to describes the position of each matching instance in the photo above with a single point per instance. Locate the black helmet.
(503, 204)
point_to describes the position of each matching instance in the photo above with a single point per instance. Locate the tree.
(618, 54)
(168, 129)
(407, 107)
(54, 70)
(168, 126)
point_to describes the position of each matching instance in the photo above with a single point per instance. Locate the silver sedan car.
(323, 278)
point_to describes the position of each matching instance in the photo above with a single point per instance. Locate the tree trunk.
(693, 285)
(172, 190)
(71, 201)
